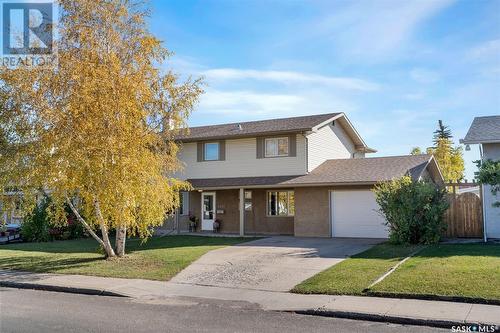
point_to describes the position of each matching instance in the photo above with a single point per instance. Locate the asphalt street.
(42, 311)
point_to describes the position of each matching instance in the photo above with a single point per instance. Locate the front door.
(207, 210)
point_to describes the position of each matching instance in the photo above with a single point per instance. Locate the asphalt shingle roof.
(366, 170)
(339, 171)
(282, 125)
(484, 129)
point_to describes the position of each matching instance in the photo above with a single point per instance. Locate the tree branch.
(82, 221)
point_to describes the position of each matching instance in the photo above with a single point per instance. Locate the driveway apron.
(273, 264)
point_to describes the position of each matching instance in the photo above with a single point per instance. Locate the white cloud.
(414, 96)
(227, 102)
(251, 104)
(375, 29)
(422, 75)
(287, 77)
(489, 50)
(485, 58)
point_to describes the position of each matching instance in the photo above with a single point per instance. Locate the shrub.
(36, 227)
(41, 226)
(489, 173)
(413, 210)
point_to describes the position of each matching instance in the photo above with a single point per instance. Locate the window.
(248, 200)
(183, 203)
(280, 203)
(211, 151)
(276, 147)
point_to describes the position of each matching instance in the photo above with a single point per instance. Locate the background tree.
(416, 151)
(97, 131)
(442, 132)
(449, 158)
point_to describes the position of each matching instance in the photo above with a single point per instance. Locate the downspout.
(485, 236)
(307, 152)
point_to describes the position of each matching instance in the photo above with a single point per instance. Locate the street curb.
(386, 319)
(430, 297)
(62, 289)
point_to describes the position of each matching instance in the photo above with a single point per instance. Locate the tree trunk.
(104, 230)
(121, 236)
(85, 224)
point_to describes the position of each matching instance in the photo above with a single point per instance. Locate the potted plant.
(217, 225)
(193, 222)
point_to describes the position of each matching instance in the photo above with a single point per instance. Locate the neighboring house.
(302, 176)
(485, 131)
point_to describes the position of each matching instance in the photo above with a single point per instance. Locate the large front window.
(211, 151)
(280, 203)
(276, 147)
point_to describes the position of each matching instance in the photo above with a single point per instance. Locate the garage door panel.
(355, 214)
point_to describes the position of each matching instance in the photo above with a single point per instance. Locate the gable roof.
(272, 127)
(353, 171)
(249, 128)
(483, 130)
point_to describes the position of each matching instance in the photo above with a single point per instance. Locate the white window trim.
(277, 147)
(287, 202)
(205, 151)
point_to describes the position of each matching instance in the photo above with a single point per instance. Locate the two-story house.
(302, 176)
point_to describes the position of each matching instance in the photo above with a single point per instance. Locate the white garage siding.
(354, 213)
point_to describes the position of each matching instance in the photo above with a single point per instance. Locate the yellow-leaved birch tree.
(96, 133)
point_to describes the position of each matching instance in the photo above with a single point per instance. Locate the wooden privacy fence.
(464, 217)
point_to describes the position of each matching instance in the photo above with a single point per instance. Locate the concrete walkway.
(272, 264)
(435, 313)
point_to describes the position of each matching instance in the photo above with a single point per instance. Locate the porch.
(237, 211)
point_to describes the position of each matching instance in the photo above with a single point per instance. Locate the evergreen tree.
(443, 132)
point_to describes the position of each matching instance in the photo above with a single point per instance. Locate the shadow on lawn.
(456, 250)
(44, 264)
(89, 245)
(387, 251)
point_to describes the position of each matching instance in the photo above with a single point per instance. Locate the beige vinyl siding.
(329, 142)
(492, 214)
(241, 161)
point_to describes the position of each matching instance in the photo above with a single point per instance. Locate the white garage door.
(354, 214)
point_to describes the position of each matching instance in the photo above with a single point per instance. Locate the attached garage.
(333, 200)
(354, 213)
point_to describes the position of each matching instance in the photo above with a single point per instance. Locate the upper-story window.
(276, 147)
(211, 151)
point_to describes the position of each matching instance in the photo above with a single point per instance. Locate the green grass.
(465, 270)
(460, 270)
(352, 276)
(157, 259)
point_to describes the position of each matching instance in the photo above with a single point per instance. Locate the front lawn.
(157, 259)
(352, 276)
(463, 270)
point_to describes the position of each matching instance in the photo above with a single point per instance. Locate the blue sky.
(394, 67)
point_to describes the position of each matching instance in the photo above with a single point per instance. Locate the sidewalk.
(433, 313)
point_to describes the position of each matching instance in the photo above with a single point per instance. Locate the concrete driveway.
(273, 264)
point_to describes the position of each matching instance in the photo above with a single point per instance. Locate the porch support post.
(177, 226)
(242, 211)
